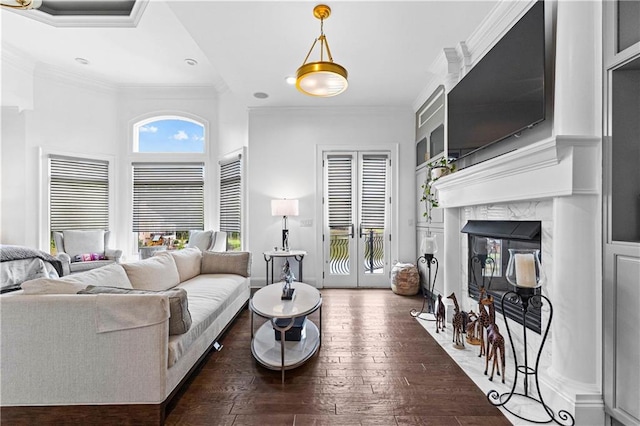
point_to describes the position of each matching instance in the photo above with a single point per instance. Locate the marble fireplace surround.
(556, 181)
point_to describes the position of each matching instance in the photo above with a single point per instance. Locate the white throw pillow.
(156, 273)
(52, 286)
(106, 276)
(187, 260)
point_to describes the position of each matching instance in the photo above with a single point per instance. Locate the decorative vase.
(438, 172)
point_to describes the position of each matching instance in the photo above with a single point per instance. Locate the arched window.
(169, 134)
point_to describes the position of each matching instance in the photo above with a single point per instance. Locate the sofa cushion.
(156, 273)
(111, 275)
(187, 260)
(180, 318)
(200, 239)
(78, 242)
(229, 262)
(209, 296)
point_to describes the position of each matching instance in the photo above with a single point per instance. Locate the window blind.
(78, 193)
(168, 197)
(374, 191)
(231, 195)
(339, 190)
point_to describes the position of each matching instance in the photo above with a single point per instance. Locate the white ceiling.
(248, 47)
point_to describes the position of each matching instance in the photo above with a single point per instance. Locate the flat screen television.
(504, 93)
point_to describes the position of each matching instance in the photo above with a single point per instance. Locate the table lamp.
(284, 208)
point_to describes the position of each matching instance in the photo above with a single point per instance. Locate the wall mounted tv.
(504, 93)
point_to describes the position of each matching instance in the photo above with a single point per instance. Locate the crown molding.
(17, 58)
(60, 75)
(86, 21)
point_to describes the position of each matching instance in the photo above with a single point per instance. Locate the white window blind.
(374, 191)
(168, 197)
(339, 190)
(231, 195)
(78, 193)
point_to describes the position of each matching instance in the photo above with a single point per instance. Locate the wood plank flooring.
(376, 366)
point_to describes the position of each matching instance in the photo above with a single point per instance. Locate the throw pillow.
(156, 273)
(87, 257)
(200, 239)
(187, 260)
(51, 286)
(110, 275)
(228, 262)
(180, 317)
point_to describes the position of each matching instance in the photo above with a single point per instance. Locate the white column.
(452, 258)
(578, 83)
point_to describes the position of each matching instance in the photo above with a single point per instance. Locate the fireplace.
(489, 242)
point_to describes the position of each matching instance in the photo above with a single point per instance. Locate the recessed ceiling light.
(290, 79)
(191, 62)
(260, 95)
(82, 61)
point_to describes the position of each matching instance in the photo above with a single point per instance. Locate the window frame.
(240, 154)
(44, 219)
(210, 169)
(135, 133)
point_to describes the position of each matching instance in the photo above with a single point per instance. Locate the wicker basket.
(405, 279)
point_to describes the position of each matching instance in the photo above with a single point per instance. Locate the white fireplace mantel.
(554, 167)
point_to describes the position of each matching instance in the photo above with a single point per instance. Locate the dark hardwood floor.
(376, 366)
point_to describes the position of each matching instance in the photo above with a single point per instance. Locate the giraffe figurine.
(458, 341)
(472, 326)
(495, 342)
(440, 323)
(483, 321)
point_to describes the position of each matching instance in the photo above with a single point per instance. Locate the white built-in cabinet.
(621, 218)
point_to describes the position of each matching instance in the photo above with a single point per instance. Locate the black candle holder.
(526, 298)
(427, 291)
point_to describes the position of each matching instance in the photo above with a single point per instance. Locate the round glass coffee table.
(285, 354)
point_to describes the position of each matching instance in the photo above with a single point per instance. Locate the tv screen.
(502, 94)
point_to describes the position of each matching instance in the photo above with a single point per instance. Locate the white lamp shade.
(284, 207)
(429, 244)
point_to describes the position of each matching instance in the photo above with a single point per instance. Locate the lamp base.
(285, 239)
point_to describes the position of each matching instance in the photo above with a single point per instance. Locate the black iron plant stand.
(528, 298)
(427, 291)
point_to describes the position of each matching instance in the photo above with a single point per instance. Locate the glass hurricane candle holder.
(524, 270)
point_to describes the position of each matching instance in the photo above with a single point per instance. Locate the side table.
(298, 255)
(285, 355)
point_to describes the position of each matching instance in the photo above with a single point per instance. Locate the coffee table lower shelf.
(267, 350)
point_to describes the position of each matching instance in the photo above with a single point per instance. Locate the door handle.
(351, 233)
(360, 231)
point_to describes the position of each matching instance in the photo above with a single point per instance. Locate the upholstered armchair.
(208, 240)
(82, 250)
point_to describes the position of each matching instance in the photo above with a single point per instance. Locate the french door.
(356, 209)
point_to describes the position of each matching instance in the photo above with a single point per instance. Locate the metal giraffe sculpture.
(457, 322)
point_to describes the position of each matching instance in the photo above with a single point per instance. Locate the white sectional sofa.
(70, 351)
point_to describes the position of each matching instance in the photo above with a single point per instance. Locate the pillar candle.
(525, 270)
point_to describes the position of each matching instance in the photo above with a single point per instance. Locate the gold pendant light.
(322, 78)
(21, 4)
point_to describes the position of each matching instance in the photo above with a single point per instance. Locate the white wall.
(68, 117)
(283, 164)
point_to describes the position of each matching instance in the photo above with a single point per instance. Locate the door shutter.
(168, 197)
(339, 190)
(78, 194)
(374, 191)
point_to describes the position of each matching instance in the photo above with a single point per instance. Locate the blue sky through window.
(171, 135)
